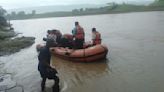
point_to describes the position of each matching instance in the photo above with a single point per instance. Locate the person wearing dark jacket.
(46, 71)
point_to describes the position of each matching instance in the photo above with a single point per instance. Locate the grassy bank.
(8, 34)
(9, 46)
(8, 42)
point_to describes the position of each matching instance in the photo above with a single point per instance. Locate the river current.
(135, 61)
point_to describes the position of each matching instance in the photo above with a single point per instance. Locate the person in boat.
(67, 41)
(46, 71)
(96, 37)
(49, 32)
(79, 35)
(52, 36)
(58, 35)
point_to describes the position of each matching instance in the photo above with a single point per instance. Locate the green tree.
(3, 21)
(81, 9)
(21, 13)
(158, 3)
(113, 5)
(33, 12)
(75, 10)
(2, 11)
(13, 13)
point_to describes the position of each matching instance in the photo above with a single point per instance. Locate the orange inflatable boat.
(89, 54)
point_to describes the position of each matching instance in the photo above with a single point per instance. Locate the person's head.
(48, 31)
(49, 43)
(54, 31)
(93, 29)
(76, 23)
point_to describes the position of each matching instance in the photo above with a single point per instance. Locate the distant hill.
(89, 9)
(55, 8)
(158, 3)
(140, 2)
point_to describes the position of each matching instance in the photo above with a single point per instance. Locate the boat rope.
(84, 55)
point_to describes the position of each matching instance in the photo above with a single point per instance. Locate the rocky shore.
(10, 43)
(7, 83)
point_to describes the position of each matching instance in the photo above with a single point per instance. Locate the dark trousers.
(50, 74)
(79, 43)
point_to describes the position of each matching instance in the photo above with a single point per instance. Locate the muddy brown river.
(135, 61)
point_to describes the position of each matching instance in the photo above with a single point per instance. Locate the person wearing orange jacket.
(79, 35)
(96, 37)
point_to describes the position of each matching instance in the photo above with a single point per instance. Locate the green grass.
(158, 3)
(8, 34)
(10, 46)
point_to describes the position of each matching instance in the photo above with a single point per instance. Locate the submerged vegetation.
(158, 5)
(8, 44)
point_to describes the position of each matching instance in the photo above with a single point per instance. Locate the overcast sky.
(10, 4)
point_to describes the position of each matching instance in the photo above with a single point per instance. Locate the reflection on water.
(78, 74)
(136, 54)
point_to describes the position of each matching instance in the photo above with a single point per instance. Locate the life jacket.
(97, 39)
(79, 33)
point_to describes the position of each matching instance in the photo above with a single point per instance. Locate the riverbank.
(10, 46)
(67, 14)
(10, 43)
(7, 82)
(111, 8)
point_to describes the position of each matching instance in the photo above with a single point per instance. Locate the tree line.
(3, 21)
(158, 5)
(20, 15)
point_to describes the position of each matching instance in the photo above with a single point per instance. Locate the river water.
(135, 61)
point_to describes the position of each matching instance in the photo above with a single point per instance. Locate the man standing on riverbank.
(46, 71)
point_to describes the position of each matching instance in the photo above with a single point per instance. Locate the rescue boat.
(90, 54)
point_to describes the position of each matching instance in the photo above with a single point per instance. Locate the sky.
(11, 4)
